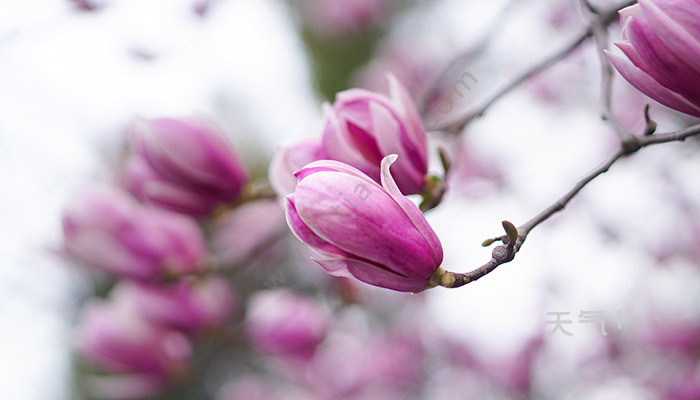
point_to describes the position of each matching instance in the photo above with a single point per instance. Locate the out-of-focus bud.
(281, 322)
(189, 307)
(184, 165)
(115, 339)
(338, 368)
(202, 7)
(474, 174)
(414, 67)
(674, 335)
(337, 18)
(248, 232)
(515, 371)
(88, 5)
(361, 229)
(290, 159)
(661, 41)
(109, 230)
(394, 360)
(363, 127)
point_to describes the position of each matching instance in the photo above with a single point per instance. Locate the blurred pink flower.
(474, 173)
(184, 165)
(107, 229)
(361, 229)
(336, 18)
(337, 370)
(281, 322)
(187, 306)
(414, 67)
(674, 335)
(395, 360)
(248, 231)
(661, 39)
(290, 159)
(515, 371)
(88, 5)
(115, 339)
(363, 127)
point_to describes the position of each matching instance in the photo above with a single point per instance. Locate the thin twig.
(603, 19)
(506, 252)
(434, 92)
(600, 33)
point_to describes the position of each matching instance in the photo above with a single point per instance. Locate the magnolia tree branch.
(603, 20)
(435, 92)
(600, 33)
(514, 238)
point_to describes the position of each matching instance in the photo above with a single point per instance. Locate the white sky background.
(68, 84)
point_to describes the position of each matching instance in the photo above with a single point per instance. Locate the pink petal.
(410, 209)
(388, 133)
(651, 55)
(334, 266)
(407, 109)
(339, 146)
(364, 221)
(647, 85)
(377, 276)
(677, 25)
(306, 235)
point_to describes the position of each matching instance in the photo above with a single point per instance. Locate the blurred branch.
(600, 33)
(506, 252)
(603, 20)
(435, 91)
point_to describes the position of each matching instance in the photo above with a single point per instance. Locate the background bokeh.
(71, 80)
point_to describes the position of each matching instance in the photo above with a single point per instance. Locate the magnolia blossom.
(247, 232)
(290, 159)
(184, 165)
(185, 306)
(115, 339)
(363, 127)
(109, 230)
(661, 39)
(362, 229)
(285, 323)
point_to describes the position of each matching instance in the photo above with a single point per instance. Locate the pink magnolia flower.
(661, 39)
(290, 159)
(109, 230)
(184, 165)
(115, 339)
(362, 229)
(363, 127)
(248, 232)
(281, 322)
(185, 306)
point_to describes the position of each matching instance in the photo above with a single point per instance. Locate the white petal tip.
(389, 159)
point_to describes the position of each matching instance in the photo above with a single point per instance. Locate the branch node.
(503, 253)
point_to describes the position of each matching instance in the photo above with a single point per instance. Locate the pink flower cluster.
(147, 238)
(349, 206)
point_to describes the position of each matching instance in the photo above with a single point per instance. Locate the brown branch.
(434, 92)
(604, 19)
(600, 33)
(506, 252)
